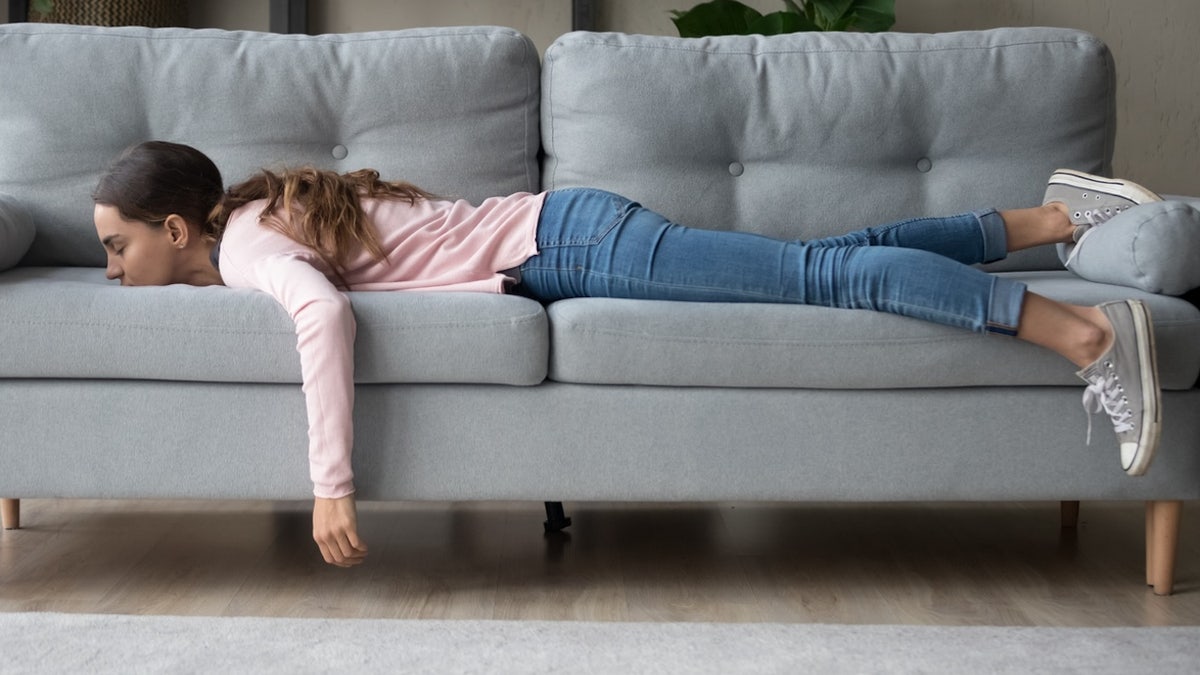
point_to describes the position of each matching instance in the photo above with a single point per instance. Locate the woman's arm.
(325, 330)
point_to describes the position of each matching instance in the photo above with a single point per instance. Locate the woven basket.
(152, 13)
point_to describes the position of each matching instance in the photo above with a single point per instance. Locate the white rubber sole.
(1151, 413)
(1113, 186)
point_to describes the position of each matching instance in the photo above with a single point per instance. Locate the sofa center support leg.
(10, 513)
(1162, 541)
(556, 519)
(1069, 512)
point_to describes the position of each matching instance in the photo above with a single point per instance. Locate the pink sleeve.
(325, 330)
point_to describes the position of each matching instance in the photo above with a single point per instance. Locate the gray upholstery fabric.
(73, 323)
(454, 110)
(1154, 247)
(577, 442)
(808, 135)
(751, 345)
(16, 231)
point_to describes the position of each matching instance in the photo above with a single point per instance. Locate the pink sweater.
(431, 246)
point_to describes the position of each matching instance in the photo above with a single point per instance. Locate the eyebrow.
(109, 239)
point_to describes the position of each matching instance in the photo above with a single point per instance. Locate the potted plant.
(153, 13)
(729, 17)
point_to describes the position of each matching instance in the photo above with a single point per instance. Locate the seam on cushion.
(842, 50)
(695, 339)
(547, 93)
(518, 322)
(126, 326)
(529, 79)
(260, 36)
(1133, 252)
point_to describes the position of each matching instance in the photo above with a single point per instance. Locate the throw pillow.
(1154, 247)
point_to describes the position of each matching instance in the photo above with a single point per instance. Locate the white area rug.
(89, 643)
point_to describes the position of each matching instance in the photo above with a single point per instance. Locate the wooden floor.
(949, 564)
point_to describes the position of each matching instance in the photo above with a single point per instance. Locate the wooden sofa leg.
(10, 513)
(1162, 541)
(1070, 515)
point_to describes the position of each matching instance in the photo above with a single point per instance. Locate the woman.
(164, 217)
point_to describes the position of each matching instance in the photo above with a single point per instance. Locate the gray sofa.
(181, 392)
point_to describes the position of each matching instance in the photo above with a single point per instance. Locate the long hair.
(331, 220)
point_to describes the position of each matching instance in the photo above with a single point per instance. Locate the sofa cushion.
(758, 345)
(810, 135)
(1153, 247)
(454, 110)
(16, 232)
(73, 323)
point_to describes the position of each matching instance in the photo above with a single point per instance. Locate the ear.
(177, 230)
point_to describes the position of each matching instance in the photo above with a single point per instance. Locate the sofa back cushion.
(453, 110)
(809, 135)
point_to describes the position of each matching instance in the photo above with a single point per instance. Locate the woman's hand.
(335, 529)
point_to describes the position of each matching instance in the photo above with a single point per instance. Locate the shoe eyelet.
(1085, 195)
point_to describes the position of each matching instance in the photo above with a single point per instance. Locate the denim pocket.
(580, 217)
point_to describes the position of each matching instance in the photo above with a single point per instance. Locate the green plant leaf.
(830, 12)
(729, 17)
(41, 6)
(873, 16)
(719, 17)
(778, 23)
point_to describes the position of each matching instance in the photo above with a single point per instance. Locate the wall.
(1153, 42)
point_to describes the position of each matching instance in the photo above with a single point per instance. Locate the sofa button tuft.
(924, 165)
(736, 169)
(340, 152)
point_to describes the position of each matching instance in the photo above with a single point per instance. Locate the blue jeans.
(593, 243)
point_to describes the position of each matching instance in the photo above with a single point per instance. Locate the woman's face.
(138, 254)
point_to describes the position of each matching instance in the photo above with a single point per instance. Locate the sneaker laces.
(1105, 394)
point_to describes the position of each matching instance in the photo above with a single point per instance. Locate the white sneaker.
(1124, 383)
(1092, 200)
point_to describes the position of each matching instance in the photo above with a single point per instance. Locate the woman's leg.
(977, 237)
(595, 244)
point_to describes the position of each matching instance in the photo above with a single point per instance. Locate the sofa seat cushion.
(74, 323)
(604, 341)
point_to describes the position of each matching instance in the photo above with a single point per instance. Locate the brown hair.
(155, 179)
(332, 222)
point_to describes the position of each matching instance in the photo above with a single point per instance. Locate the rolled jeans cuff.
(995, 237)
(1004, 309)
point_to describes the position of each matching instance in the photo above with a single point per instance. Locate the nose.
(113, 271)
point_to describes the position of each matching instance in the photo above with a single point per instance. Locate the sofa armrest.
(1194, 201)
(16, 231)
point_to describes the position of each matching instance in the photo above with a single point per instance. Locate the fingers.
(335, 530)
(341, 554)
